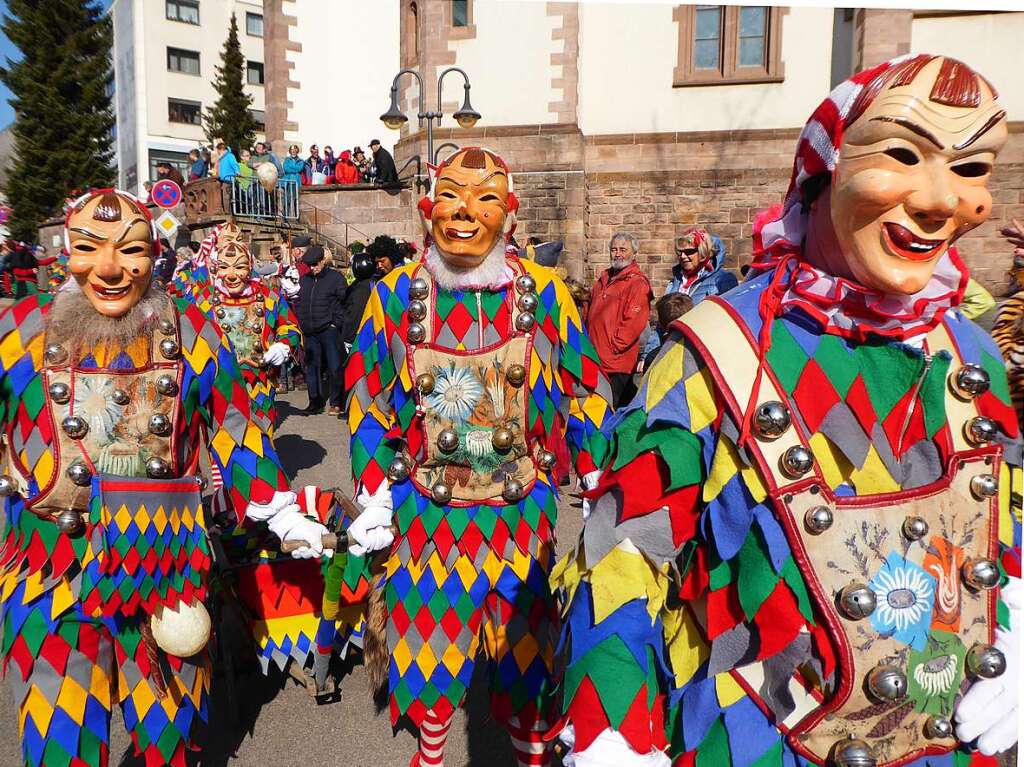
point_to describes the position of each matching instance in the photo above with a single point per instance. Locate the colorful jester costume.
(795, 548)
(454, 394)
(74, 603)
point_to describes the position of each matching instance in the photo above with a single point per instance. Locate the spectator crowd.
(350, 166)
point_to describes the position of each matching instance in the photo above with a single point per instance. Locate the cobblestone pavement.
(276, 722)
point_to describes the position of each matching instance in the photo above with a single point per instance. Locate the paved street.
(276, 722)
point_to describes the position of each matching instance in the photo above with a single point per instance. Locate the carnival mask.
(234, 268)
(110, 247)
(471, 203)
(913, 172)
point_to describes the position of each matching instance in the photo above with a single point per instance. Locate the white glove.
(285, 519)
(988, 712)
(371, 530)
(609, 749)
(276, 354)
(589, 480)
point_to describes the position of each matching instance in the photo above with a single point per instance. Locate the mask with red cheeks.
(233, 268)
(912, 175)
(471, 204)
(110, 251)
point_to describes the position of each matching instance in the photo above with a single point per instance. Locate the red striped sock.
(433, 736)
(530, 748)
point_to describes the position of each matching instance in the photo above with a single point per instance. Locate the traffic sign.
(166, 194)
(167, 224)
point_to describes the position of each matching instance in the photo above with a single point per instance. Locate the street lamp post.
(395, 118)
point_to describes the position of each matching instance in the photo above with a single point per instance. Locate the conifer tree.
(63, 115)
(229, 120)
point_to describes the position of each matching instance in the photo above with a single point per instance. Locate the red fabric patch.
(696, 580)
(587, 715)
(860, 403)
(814, 395)
(778, 621)
(724, 610)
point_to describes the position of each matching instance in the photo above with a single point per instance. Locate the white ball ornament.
(182, 631)
(267, 175)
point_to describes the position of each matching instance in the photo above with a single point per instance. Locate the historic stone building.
(646, 117)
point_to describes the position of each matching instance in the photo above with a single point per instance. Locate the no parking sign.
(166, 194)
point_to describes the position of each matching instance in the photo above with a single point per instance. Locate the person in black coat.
(387, 173)
(357, 295)
(321, 314)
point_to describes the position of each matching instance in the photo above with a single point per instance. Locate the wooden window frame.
(686, 75)
(466, 32)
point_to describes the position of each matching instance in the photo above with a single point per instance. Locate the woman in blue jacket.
(698, 274)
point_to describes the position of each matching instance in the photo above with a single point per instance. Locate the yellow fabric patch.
(728, 689)
(700, 399)
(686, 650)
(873, 477)
(623, 576)
(664, 375)
(724, 465)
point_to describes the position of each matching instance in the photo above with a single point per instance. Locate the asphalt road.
(275, 721)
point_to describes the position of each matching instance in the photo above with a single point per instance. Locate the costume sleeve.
(370, 377)
(678, 516)
(635, 315)
(584, 387)
(285, 325)
(244, 454)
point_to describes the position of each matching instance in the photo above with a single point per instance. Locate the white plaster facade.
(143, 83)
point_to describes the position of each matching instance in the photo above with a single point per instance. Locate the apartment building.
(165, 52)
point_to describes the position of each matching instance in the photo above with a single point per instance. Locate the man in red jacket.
(620, 303)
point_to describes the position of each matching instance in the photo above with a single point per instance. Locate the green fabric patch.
(614, 673)
(785, 357)
(714, 749)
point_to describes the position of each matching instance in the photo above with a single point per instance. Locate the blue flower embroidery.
(905, 594)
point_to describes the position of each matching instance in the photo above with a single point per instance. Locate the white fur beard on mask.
(74, 323)
(492, 272)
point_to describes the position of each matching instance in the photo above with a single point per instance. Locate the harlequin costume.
(104, 564)
(461, 368)
(796, 546)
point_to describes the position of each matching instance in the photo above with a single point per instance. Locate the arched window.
(411, 43)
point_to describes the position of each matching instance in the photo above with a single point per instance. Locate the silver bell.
(984, 486)
(985, 661)
(79, 473)
(447, 441)
(771, 419)
(256, 326)
(528, 302)
(166, 385)
(516, 375)
(169, 348)
(796, 461)
(259, 310)
(55, 354)
(853, 752)
(7, 486)
(221, 313)
(546, 460)
(70, 522)
(938, 727)
(441, 493)
(513, 490)
(915, 528)
(887, 683)
(970, 381)
(980, 574)
(157, 468)
(215, 301)
(980, 430)
(425, 382)
(818, 519)
(75, 427)
(398, 470)
(167, 327)
(60, 392)
(417, 310)
(159, 424)
(525, 323)
(416, 333)
(120, 397)
(526, 284)
(419, 289)
(857, 601)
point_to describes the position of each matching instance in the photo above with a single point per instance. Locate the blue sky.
(7, 50)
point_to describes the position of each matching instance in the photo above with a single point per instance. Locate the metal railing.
(250, 200)
(317, 218)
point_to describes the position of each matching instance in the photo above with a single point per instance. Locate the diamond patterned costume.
(73, 616)
(469, 573)
(691, 598)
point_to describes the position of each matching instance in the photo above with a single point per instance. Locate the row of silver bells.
(512, 491)
(77, 428)
(55, 354)
(60, 392)
(515, 374)
(419, 290)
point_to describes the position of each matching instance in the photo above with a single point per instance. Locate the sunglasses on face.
(689, 251)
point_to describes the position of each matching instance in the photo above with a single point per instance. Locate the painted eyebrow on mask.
(989, 125)
(87, 233)
(911, 126)
(127, 228)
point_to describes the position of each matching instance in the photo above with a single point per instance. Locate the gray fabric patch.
(778, 670)
(732, 649)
